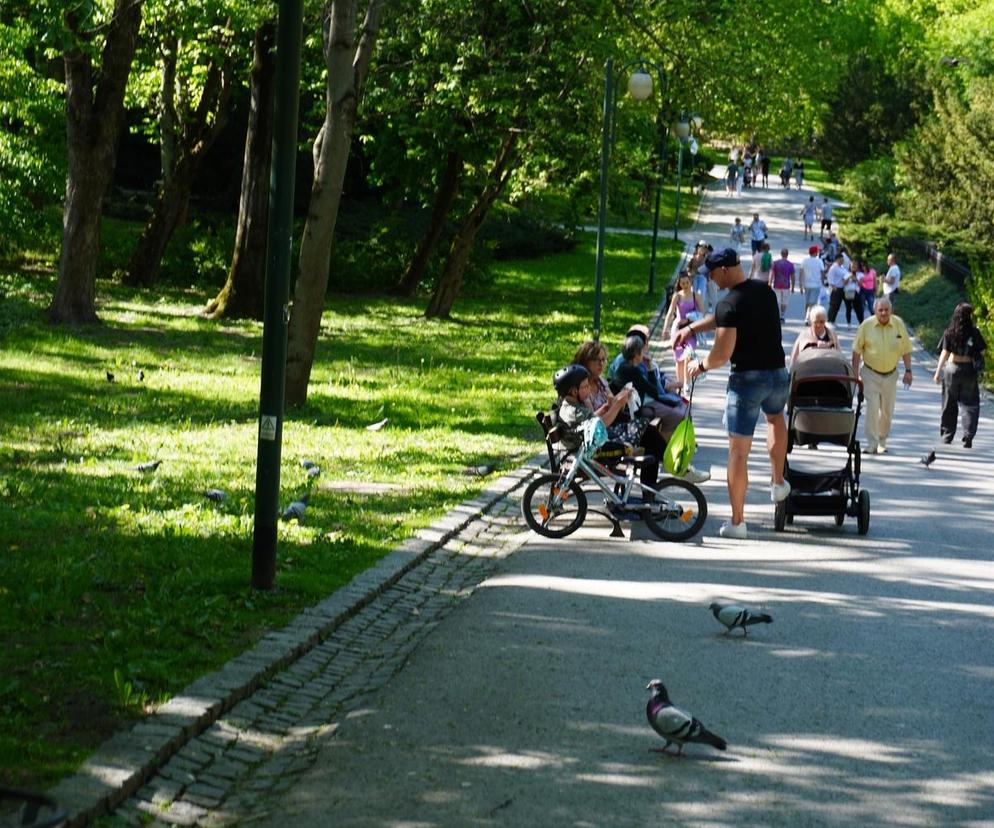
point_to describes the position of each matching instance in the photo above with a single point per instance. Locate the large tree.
(243, 291)
(94, 119)
(198, 52)
(347, 57)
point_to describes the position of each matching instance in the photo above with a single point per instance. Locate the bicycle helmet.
(568, 378)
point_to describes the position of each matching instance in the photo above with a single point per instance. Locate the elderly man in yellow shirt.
(881, 342)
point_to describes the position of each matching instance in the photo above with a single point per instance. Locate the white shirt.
(826, 210)
(837, 275)
(757, 230)
(811, 269)
(893, 272)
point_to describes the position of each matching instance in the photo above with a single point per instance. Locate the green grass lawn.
(118, 587)
(926, 301)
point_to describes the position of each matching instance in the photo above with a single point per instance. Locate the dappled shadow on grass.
(151, 580)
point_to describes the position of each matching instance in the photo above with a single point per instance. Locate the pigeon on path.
(732, 616)
(295, 511)
(928, 459)
(675, 725)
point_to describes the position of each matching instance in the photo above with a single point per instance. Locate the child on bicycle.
(572, 386)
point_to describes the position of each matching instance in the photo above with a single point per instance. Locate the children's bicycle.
(555, 505)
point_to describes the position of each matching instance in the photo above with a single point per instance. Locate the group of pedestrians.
(746, 322)
(750, 166)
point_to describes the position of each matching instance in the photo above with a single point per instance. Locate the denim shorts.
(750, 392)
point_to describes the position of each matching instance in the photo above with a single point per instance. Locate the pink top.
(869, 280)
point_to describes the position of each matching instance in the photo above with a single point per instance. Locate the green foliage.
(870, 109)
(118, 588)
(927, 301)
(32, 151)
(871, 188)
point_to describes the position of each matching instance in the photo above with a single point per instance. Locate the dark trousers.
(834, 303)
(868, 296)
(854, 303)
(959, 390)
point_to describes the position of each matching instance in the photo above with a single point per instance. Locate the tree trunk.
(347, 67)
(243, 294)
(450, 282)
(195, 134)
(445, 197)
(94, 118)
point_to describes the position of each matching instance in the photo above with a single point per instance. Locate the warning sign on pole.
(267, 427)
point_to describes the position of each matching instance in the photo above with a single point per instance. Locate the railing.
(946, 265)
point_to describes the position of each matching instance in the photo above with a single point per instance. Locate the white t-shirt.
(892, 272)
(837, 275)
(826, 210)
(811, 269)
(757, 230)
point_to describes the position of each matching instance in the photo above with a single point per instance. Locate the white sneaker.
(733, 530)
(779, 491)
(693, 475)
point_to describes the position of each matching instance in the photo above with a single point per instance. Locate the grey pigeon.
(479, 471)
(733, 615)
(216, 495)
(312, 472)
(675, 725)
(307, 464)
(928, 459)
(149, 467)
(295, 511)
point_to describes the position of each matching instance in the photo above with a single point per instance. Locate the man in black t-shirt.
(748, 335)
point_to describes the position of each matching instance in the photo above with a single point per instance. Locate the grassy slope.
(117, 588)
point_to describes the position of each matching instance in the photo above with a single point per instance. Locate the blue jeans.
(750, 392)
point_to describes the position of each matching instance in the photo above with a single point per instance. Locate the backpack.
(766, 262)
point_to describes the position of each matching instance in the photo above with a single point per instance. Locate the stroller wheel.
(780, 515)
(840, 518)
(863, 518)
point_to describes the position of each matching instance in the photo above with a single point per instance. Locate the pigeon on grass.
(732, 616)
(295, 511)
(675, 725)
(149, 467)
(216, 495)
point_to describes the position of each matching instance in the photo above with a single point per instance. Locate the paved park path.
(491, 688)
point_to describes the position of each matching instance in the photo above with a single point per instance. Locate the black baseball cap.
(722, 258)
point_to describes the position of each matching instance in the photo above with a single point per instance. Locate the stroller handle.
(797, 381)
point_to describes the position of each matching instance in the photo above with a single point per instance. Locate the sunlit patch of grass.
(118, 587)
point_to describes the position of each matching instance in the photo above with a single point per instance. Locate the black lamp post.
(683, 134)
(640, 88)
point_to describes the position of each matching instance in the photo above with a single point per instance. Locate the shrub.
(872, 188)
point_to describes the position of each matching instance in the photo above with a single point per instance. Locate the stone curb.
(122, 764)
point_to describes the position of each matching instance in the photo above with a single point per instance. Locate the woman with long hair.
(960, 362)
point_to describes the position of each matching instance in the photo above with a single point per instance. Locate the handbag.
(682, 444)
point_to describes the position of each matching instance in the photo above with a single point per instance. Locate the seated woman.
(816, 335)
(685, 307)
(634, 431)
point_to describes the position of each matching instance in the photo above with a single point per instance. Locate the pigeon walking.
(732, 616)
(295, 511)
(313, 471)
(307, 464)
(216, 495)
(673, 724)
(149, 467)
(928, 459)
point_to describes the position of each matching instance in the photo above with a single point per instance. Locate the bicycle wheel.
(547, 511)
(679, 511)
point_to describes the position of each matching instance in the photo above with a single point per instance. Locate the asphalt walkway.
(483, 687)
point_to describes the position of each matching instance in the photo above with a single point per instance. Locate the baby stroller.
(824, 407)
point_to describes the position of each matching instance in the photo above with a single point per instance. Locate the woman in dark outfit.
(960, 361)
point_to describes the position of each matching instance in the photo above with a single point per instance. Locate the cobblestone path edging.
(210, 754)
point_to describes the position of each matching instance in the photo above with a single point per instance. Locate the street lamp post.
(682, 129)
(640, 88)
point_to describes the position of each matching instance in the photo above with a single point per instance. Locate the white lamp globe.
(640, 85)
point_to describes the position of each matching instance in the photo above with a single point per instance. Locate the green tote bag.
(682, 444)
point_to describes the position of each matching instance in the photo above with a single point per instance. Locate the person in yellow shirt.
(881, 342)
